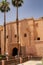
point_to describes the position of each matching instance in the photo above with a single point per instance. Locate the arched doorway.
(0, 50)
(14, 51)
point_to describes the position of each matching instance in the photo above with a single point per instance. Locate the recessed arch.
(0, 50)
(15, 51)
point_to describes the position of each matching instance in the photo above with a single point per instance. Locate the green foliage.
(4, 6)
(15, 2)
(2, 57)
(4, 0)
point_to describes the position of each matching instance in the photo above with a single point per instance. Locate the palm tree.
(4, 7)
(17, 4)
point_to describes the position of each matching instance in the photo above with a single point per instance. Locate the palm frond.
(4, 6)
(15, 2)
(1, 4)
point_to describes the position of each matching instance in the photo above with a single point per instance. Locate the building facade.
(30, 37)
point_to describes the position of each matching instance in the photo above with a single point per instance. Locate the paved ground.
(32, 63)
(26, 60)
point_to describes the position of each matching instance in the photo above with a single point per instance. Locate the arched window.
(25, 35)
(15, 36)
(7, 36)
(38, 38)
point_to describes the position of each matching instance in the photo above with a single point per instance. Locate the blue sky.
(30, 8)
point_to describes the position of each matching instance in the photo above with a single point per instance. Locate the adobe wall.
(27, 34)
(39, 48)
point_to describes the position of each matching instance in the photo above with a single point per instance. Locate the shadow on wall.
(33, 51)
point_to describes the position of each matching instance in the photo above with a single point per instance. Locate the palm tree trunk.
(4, 32)
(17, 28)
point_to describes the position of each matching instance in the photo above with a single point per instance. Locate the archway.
(14, 51)
(0, 50)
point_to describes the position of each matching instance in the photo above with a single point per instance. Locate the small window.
(7, 36)
(38, 38)
(15, 36)
(25, 35)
